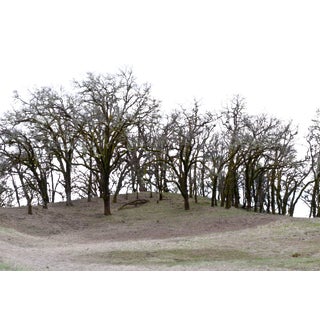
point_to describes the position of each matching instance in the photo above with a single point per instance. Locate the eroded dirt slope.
(61, 237)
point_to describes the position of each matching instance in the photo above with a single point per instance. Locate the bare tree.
(233, 122)
(53, 117)
(183, 130)
(216, 159)
(313, 140)
(28, 159)
(111, 105)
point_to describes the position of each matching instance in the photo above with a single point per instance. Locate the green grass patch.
(290, 263)
(168, 257)
(232, 259)
(6, 267)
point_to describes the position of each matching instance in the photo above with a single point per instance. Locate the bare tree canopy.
(111, 106)
(109, 136)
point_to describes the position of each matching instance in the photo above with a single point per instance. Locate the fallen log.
(134, 203)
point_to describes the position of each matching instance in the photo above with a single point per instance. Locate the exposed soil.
(60, 237)
(84, 218)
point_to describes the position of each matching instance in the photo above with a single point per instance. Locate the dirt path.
(68, 238)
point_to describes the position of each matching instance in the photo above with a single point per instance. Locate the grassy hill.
(155, 236)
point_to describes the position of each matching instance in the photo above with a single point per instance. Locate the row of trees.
(109, 136)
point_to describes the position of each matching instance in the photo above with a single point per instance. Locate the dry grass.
(155, 236)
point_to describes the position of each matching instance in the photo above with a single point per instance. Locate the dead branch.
(134, 203)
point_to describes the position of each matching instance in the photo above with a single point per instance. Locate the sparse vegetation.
(107, 137)
(156, 236)
(6, 267)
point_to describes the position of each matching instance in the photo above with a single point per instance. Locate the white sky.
(267, 51)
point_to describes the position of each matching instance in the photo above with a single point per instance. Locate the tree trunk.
(318, 205)
(68, 197)
(230, 187)
(119, 186)
(141, 185)
(29, 208)
(186, 202)
(25, 191)
(90, 182)
(248, 187)
(16, 191)
(229, 190)
(259, 195)
(284, 204)
(273, 192)
(184, 191)
(223, 197)
(214, 191)
(68, 185)
(202, 184)
(278, 193)
(106, 203)
(191, 193)
(236, 194)
(195, 184)
(53, 191)
(42, 184)
(104, 185)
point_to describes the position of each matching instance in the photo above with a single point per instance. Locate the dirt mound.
(87, 222)
(158, 235)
